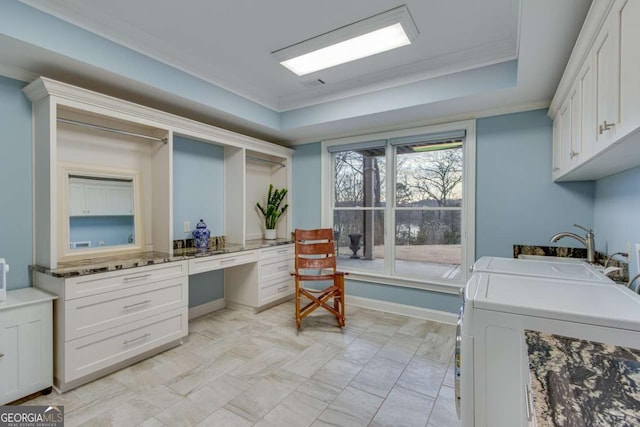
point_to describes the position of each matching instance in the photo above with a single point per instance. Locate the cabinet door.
(588, 128)
(76, 199)
(557, 147)
(607, 82)
(628, 15)
(120, 201)
(25, 345)
(96, 199)
(565, 135)
(575, 142)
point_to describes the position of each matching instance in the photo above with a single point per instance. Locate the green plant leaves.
(272, 211)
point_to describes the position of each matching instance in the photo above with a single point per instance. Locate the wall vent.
(313, 83)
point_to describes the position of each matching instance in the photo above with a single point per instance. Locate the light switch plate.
(186, 227)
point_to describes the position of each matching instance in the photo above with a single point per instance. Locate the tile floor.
(237, 368)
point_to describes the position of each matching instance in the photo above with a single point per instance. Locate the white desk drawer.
(85, 316)
(282, 251)
(92, 353)
(217, 262)
(93, 284)
(271, 270)
(275, 290)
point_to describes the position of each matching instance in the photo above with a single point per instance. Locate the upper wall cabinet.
(99, 156)
(596, 108)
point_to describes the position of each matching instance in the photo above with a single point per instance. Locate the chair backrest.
(315, 250)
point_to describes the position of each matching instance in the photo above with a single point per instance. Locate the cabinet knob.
(573, 154)
(606, 126)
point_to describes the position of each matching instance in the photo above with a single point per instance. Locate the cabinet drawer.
(283, 251)
(271, 270)
(275, 290)
(106, 282)
(97, 313)
(216, 262)
(92, 353)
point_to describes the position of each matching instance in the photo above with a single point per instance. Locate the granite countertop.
(579, 383)
(121, 262)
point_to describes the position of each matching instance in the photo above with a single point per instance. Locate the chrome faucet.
(588, 241)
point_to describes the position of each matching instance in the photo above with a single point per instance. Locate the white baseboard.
(405, 310)
(206, 308)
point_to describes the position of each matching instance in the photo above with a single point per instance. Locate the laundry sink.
(552, 258)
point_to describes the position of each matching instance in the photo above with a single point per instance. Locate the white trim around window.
(468, 212)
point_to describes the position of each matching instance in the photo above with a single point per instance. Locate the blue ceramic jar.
(201, 235)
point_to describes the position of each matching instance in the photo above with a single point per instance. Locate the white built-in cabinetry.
(26, 347)
(108, 320)
(596, 108)
(260, 285)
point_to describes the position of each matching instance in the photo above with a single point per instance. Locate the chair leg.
(298, 319)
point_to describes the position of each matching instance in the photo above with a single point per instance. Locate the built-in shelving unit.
(76, 126)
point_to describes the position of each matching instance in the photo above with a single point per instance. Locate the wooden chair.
(315, 261)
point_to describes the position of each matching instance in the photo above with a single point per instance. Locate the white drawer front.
(97, 313)
(283, 251)
(278, 269)
(92, 353)
(276, 290)
(216, 262)
(114, 280)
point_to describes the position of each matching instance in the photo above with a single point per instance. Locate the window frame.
(468, 207)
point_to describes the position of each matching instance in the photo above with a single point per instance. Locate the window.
(401, 204)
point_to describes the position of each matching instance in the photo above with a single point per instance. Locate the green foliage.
(272, 210)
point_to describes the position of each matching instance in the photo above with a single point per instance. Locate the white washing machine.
(581, 271)
(492, 355)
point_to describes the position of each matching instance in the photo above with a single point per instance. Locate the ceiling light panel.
(379, 33)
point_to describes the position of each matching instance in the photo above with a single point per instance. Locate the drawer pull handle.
(283, 268)
(127, 307)
(282, 288)
(132, 340)
(283, 251)
(142, 277)
(227, 261)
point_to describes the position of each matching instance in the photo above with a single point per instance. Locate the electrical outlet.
(186, 227)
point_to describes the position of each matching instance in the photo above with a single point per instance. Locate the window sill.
(435, 285)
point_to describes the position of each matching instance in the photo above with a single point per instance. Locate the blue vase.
(201, 235)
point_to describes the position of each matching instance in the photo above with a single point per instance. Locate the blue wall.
(617, 214)
(516, 199)
(198, 192)
(111, 230)
(15, 175)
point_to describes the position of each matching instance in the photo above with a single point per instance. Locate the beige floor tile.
(319, 390)
(416, 328)
(152, 422)
(338, 372)
(311, 360)
(263, 396)
(223, 417)
(448, 378)
(262, 365)
(96, 407)
(131, 413)
(378, 377)
(400, 348)
(297, 409)
(352, 407)
(423, 376)
(438, 347)
(203, 374)
(444, 411)
(219, 392)
(403, 407)
(160, 396)
(184, 413)
(360, 351)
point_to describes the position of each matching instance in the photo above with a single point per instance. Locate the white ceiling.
(228, 44)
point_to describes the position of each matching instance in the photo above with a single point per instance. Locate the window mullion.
(390, 217)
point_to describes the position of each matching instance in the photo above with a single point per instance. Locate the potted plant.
(272, 211)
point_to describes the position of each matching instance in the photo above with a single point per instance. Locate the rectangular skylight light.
(380, 33)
